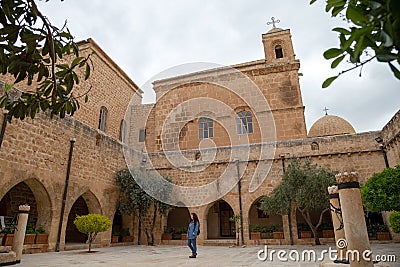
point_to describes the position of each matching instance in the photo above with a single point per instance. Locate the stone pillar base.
(7, 258)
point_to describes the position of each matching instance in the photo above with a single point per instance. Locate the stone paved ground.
(178, 256)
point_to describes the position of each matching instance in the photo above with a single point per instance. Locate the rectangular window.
(206, 128)
(142, 135)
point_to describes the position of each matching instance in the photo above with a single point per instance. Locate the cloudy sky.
(147, 37)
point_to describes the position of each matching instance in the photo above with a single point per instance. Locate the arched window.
(278, 51)
(103, 119)
(206, 128)
(244, 122)
(314, 146)
(122, 129)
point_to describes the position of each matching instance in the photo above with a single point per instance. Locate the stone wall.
(391, 139)
(36, 152)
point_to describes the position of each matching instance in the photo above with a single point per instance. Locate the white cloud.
(147, 37)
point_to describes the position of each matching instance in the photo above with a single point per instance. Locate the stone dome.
(330, 125)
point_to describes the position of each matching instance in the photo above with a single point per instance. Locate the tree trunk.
(139, 227)
(91, 237)
(314, 229)
(153, 224)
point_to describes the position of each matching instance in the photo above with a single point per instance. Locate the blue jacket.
(192, 230)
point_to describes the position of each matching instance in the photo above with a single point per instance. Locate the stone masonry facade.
(35, 152)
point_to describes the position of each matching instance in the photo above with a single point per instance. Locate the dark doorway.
(72, 234)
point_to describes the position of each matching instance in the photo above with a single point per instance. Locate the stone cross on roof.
(326, 110)
(273, 22)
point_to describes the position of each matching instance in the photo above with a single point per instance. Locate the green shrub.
(30, 229)
(125, 232)
(92, 224)
(40, 230)
(382, 191)
(394, 220)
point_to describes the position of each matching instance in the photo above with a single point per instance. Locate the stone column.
(336, 220)
(19, 233)
(355, 227)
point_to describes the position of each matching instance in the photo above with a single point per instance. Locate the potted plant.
(182, 231)
(41, 236)
(327, 230)
(255, 232)
(304, 231)
(9, 231)
(115, 237)
(382, 232)
(126, 235)
(30, 235)
(277, 232)
(167, 235)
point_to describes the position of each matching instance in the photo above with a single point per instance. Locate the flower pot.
(166, 236)
(255, 235)
(9, 239)
(305, 234)
(382, 236)
(42, 238)
(127, 239)
(114, 239)
(278, 235)
(184, 236)
(29, 239)
(328, 233)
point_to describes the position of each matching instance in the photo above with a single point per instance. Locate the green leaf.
(395, 71)
(332, 52)
(341, 30)
(386, 57)
(337, 61)
(353, 13)
(7, 87)
(328, 81)
(86, 98)
(87, 72)
(312, 2)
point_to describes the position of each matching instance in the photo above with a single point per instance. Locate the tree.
(34, 50)
(92, 224)
(134, 199)
(373, 33)
(394, 220)
(306, 185)
(382, 191)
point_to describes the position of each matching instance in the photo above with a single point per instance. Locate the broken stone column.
(355, 228)
(337, 223)
(19, 233)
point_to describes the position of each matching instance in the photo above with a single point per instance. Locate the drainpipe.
(290, 210)
(240, 202)
(3, 128)
(71, 149)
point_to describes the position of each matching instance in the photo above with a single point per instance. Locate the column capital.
(347, 177)
(25, 207)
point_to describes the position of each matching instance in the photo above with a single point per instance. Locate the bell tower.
(278, 45)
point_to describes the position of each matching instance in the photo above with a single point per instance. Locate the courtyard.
(178, 256)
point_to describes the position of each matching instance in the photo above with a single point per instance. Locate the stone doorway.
(177, 222)
(31, 192)
(72, 234)
(218, 224)
(262, 223)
